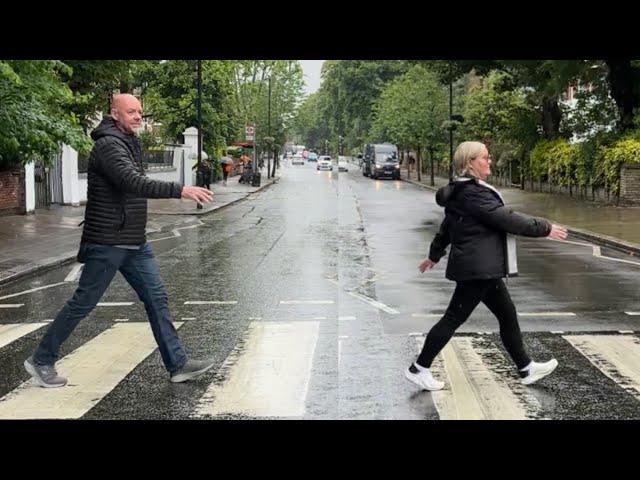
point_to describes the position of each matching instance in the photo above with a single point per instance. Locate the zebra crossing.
(267, 374)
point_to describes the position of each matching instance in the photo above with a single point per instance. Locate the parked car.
(324, 163)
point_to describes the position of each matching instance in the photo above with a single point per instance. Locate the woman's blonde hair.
(466, 152)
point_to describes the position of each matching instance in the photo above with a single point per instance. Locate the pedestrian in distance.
(113, 239)
(479, 228)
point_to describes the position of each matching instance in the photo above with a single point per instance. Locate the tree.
(35, 113)
(411, 112)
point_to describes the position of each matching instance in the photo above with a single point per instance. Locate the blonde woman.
(480, 229)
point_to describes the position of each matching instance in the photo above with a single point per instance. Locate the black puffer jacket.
(477, 224)
(117, 190)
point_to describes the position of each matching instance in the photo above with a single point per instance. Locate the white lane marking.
(11, 332)
(618, 357)
(120, 319)
(632, 313)
(49, 320)
(176, 232)
(306, 302)
(210, 302)
(268, 375)
(93, 370)
(596, 251)
(115, 304)
(625, 331)
(346, 318)
(427, 315)
(11, 305)
(475, 390)
(546, 314)
(188, 318)
(255, 318)
(371, 301)
(33, 290)
(319, 318)
(557, 331)
(74, 274)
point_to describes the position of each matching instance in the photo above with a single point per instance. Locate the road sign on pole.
(249, 131)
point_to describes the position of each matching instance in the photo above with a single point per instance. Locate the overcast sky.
(311, 69)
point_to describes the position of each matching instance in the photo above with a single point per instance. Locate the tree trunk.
(431, 160)
(551, 116)
(419, 163)
(621, 79)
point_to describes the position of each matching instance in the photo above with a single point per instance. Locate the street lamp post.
(200, 173)
(450, 122)
(269, 131)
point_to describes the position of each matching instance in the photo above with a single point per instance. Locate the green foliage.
(556, 160)
(34, 112)
(411, 111)
(624, 150)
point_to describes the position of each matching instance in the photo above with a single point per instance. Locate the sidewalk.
(50, 237)
(605, 225)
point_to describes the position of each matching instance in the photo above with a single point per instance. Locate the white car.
(324, 163)
(297, 160)
(343, 165)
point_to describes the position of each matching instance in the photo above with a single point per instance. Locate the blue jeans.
(140, 269)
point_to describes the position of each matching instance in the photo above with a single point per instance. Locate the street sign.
(249, 132)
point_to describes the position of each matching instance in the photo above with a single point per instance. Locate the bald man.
(113, 239)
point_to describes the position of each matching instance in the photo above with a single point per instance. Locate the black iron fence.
(155, 158)
(150, 158)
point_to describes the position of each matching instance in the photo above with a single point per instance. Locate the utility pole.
(200, 173)
(269, 132)
(450, 120)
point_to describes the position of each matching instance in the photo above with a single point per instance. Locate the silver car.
(324, 163)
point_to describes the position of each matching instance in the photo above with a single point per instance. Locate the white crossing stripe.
(188, 318)
(632, 313)
(74, 274)
(346, 318)
(11, 332)
(11, 305)
(427, 315)
(618, 357)
(268, 375)
(306, 302)
(115, 304)
(546, 314)
(120, 319)
(625, 331)
(475, 390)
(210, 302)
(93, 370)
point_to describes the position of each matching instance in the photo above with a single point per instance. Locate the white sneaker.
(537, 371)
(423, 379)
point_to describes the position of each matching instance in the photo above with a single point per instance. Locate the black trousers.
(466, 297)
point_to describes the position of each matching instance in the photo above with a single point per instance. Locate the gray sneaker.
(191, 370)
(44, 375)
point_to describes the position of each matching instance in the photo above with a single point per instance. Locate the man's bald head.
(127, 112)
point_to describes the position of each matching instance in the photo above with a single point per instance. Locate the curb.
(601, 239)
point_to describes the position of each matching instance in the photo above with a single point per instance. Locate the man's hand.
(557, 232)
(426, 264)
(199, 194)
